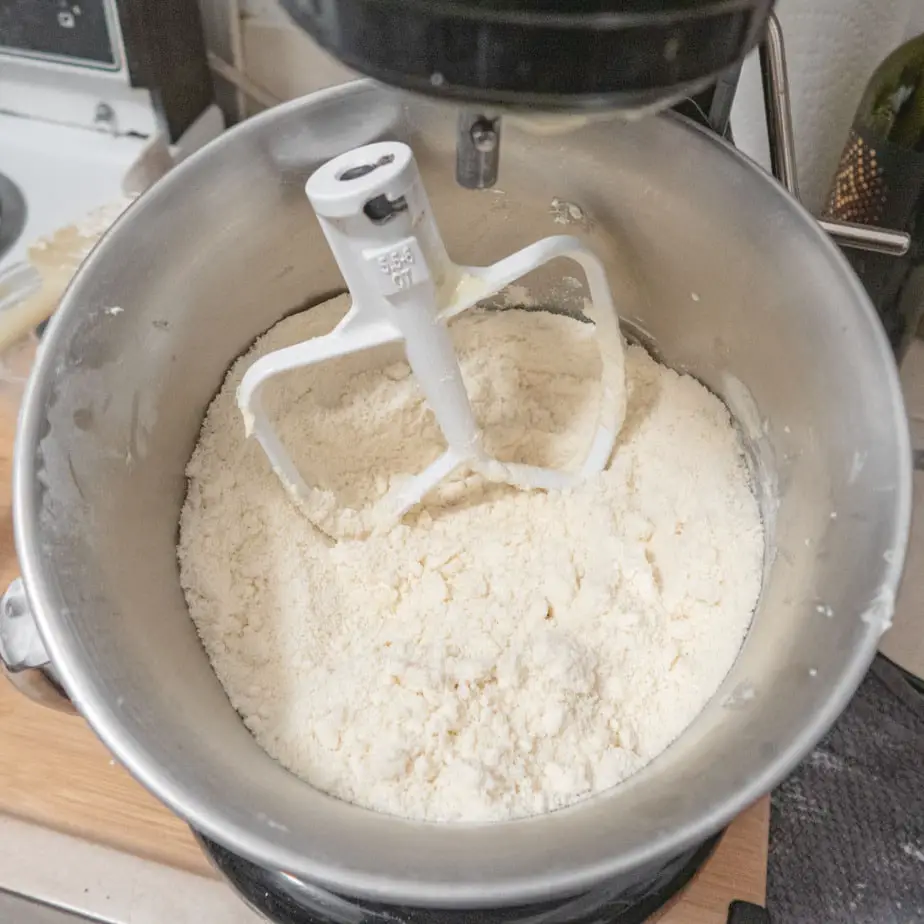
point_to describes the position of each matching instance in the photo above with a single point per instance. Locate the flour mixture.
(499, 653)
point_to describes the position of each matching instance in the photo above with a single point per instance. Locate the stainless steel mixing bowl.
(707, 256)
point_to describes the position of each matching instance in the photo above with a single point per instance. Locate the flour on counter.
(499, 653)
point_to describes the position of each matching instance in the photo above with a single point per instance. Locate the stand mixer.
(501, 60)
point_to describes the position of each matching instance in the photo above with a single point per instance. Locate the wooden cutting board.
(56, 773)
(737, 871)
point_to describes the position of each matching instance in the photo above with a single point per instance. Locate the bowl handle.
(23, 657)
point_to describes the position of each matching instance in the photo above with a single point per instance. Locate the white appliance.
(97, 99)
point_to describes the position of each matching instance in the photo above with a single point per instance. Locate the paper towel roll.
(832, 48)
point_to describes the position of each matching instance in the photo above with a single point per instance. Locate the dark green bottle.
(880, 181)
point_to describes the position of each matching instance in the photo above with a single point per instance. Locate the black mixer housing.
(548, 54)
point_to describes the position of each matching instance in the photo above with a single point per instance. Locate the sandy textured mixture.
(499, 653)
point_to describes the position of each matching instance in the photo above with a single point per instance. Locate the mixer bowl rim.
(531, 886)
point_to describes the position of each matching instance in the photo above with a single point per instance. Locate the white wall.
(832, 46)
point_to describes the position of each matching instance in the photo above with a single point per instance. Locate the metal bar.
(24, 910)
(775, 80)
(865, 237)
(477, 149)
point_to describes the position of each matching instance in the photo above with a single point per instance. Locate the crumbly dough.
(499, 653)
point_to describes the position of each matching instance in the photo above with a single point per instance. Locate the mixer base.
(284, 900)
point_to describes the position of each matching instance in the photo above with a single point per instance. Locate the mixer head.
(632, 56)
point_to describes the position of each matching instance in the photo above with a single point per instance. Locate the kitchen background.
(825, 829)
